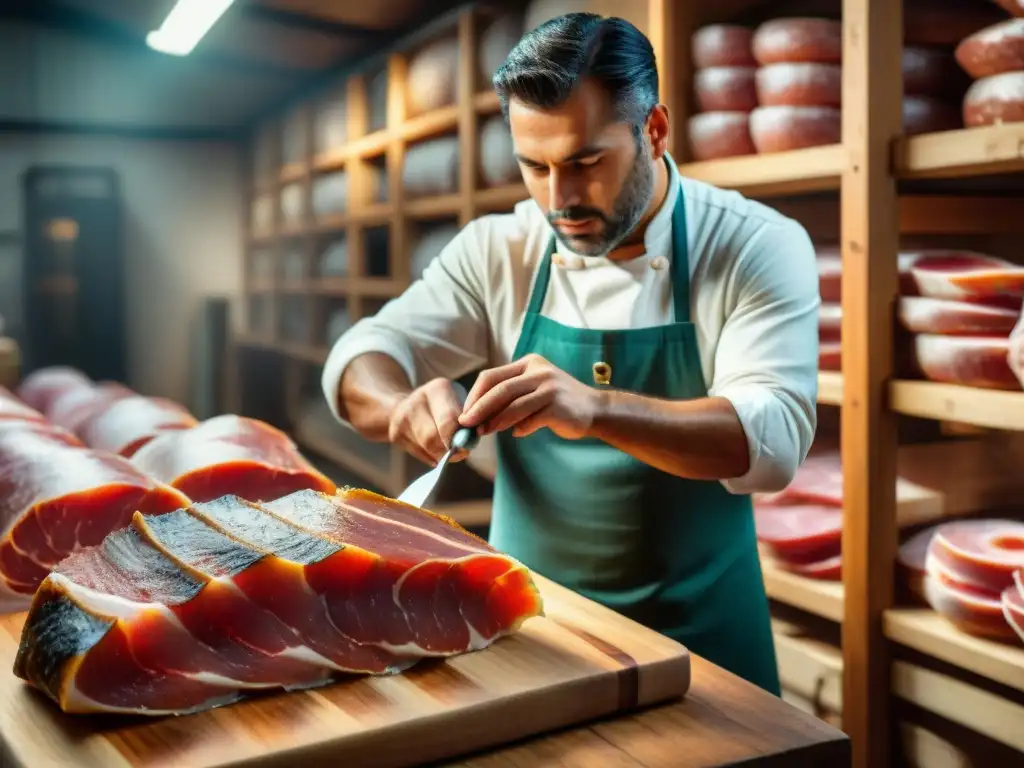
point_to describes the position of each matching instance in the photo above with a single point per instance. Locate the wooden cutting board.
(579, 662)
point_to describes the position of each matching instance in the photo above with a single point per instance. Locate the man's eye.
(588, 162)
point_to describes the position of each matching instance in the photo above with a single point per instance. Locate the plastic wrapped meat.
(972, 361)
(193, 609)
(129, 423)
(963, 275)
(980, 554)
(919, 314)
(227, 455)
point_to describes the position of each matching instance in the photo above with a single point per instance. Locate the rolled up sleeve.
(437, 327)
(766, 363)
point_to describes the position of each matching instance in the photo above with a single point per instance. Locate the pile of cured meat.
(956, 312)
(972, 573)
(778, 87)
(994, 59)
(79, 458)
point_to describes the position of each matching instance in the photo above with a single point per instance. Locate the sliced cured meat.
(725, 89)
(971, 611)
(56, 495)
(830, 321)
(929, 72)
(830, 274)
(782, 129)
(798, 39)
(722, 45)
(971, 361)
(980, 554)
(40, 387)
(830, 356)
(1013, 610)
(192, 609)
(72, 408)
(12, 407)
(714, 135)
(963, 275)
(920, 314)
(924, 114)
(827, 569)
(800, 84)
(995, 100)
(993, 50)
(229, 455)
(801, 533)
(911, 558)
(127, 424)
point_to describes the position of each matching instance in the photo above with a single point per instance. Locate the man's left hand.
(527, 395)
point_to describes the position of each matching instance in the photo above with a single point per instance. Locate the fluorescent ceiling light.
(186, 25)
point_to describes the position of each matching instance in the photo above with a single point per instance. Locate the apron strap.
(540, 287)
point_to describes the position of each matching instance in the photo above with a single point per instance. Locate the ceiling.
(84, 64)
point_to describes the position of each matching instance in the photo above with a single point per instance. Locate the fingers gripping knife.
(422, 488)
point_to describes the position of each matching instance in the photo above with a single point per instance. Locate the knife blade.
(422, 488)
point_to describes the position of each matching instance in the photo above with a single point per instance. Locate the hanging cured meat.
(980, 554)
(126, 425)
(972, 361)
(40, 387)
(56, 495)
(920, 314)
(198, 607)
(230, 455)
(972, 611)
(963, 275)
(12, 407)
(1012, 601)
(803, 533)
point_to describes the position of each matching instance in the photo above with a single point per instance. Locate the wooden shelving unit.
(868, 193)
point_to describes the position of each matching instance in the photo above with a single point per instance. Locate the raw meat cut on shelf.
(715, 135)
(227, 455)
(783, 129)
(993, 50)
(972, 611)
(725, 89)
(963, 275)
(196, 608)
(128, 423)
(11, 407)
(830, 356)
(830, 320)
(798, 39)
(994, 100)
(804, 533)
(920, 314)
(971, 361)
(72, 408)
(1012, 601)
(723, 45)
(799, 84)
(828, 569)
(39, 388)
(980, 554)
(57, 495)
(819, 480)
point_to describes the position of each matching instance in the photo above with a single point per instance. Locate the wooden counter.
(723, 721)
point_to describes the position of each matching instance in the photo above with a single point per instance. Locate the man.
(648, 347)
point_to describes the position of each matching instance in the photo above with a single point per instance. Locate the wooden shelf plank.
(486, 103)
(966, 152)
(499, 199)
(817, 596)
(992, 408)
(443, 120)
(923, 630)
(435, 206)
(830, 387)
(814, 169)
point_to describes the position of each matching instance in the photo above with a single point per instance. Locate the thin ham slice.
(800, 533)
(920, 314)
(827, 569)
(964, 275)
(972, 361)
(128, 423)
(39, 388)
(11, 407)
(56, 496)
(1012, 601)
(980, 554)
(976, 612)
(230, 455)
(74, 407)
(198, 607)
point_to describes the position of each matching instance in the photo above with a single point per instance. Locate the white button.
(659, 262)
(558, 259)
(576, 262)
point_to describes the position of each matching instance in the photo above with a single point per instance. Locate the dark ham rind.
(126, 424)
(56, 495)
(41, 387)
(178, 613)
(230, 455)
(11, 407)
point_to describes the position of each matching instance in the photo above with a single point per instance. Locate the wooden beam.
(869, 229)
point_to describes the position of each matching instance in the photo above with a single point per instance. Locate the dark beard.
(629, 207)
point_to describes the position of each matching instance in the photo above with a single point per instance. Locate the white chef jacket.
(754, 301)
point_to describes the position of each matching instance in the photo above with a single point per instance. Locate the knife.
(422, 488)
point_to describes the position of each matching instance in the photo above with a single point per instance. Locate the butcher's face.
(590, 173)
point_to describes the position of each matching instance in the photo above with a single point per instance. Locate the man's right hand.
(424, 421)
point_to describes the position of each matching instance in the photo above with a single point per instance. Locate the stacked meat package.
(724, 92)
(830, 314)
(994, 59)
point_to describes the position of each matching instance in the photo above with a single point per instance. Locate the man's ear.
(657, 128)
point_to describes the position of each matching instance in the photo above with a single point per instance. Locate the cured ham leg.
(230, 455)
(39, 389)
(126, 424)
(973, 361)
(74, 407)
(919, 314)
(192, 609)
(56, 495)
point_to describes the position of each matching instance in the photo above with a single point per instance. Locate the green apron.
(678, 556)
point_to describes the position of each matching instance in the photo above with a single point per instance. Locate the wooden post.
(671, 25)
(468, 130)
(872, 93)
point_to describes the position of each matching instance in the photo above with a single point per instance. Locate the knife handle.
(465, 439)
